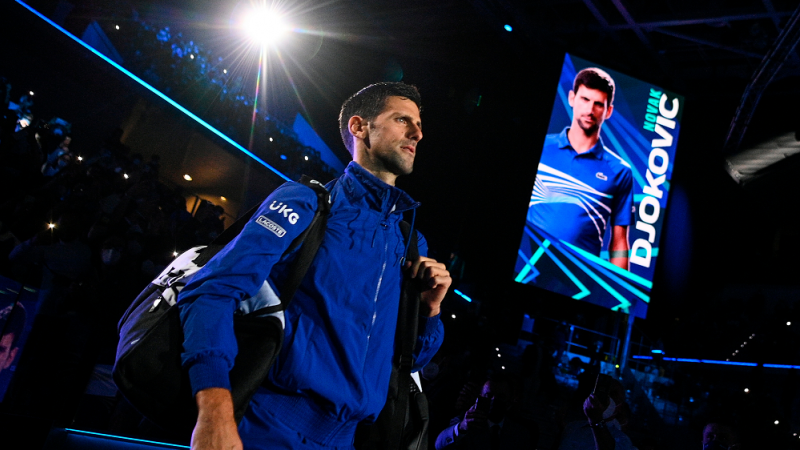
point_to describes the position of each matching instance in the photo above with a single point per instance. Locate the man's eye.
(401, 119)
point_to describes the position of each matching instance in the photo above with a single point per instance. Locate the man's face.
(500, 394)
(7, 354)
(393, 137)
(590, 109)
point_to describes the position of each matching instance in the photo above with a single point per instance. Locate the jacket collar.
(360, 184)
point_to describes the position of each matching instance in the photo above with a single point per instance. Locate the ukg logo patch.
(271, 226)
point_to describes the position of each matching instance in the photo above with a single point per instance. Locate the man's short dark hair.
(594, 78)
(12, 321)
(369, 103)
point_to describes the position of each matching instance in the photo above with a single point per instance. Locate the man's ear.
(609, 111)
(358, 127)
(571, 98)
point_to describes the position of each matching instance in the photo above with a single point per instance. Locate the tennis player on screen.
(582, 187)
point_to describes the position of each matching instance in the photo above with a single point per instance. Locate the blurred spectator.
(12, 323)
(490, 423)
(719, 437)
(603, 410)
(60, 255)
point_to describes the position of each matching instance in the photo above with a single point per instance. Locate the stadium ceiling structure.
(692, 43)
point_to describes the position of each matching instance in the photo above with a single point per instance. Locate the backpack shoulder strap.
(405, 339)
(310, 238)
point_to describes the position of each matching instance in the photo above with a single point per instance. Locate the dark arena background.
(134, 130)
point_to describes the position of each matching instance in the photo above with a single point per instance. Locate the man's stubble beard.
(589, 130)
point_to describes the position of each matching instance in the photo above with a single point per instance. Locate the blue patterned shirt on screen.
(576, 194)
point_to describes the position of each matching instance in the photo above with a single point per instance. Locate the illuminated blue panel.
(462, 295)
(545, 245)
(616, 269)
(623, 302)
(157, 92)
(122, 438)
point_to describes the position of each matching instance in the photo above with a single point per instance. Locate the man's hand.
(216, 427)
(435, 281)
(473, 420)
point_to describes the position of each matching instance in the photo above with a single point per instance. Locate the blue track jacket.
(333, 370)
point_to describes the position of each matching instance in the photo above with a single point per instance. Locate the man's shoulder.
(552, 140)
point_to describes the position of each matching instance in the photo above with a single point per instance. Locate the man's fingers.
(440, 280)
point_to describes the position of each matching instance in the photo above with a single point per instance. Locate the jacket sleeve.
(237, 272)
(449, 436)
(431, 330)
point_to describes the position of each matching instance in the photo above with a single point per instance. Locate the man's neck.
(580, 141)
(379, 173)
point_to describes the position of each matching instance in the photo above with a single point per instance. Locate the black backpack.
(148, 370)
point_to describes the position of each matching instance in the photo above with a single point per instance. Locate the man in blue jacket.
(333, 370)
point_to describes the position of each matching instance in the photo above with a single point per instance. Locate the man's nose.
(415, 132)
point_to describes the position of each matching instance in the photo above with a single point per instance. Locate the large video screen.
(597, 206)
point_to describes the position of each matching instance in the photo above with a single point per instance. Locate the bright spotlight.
(264, 26)
(508, 28)
(51, 225)
(187, 177)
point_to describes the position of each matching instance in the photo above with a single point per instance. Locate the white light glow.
(52, 225)
(746, 391)
(31, 93)
(125, 175)
(264, 26)
(223, 198)
(187, 177)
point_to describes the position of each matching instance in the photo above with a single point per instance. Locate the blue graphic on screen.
(599, 199)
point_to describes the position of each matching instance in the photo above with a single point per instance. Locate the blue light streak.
(122, 438)
(469, 300)
(507, 28)
(710, 361)
(156, 91)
